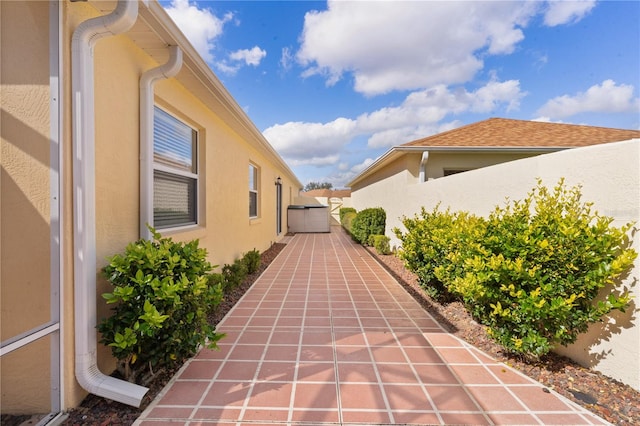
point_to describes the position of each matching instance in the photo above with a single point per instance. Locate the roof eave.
(161, 23)
(398, 151)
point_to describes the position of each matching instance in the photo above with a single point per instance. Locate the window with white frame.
(253, 191)
(175, 171)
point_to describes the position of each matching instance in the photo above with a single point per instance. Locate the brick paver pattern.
(326, 336)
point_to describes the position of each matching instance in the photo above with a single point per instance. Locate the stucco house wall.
(610, 178)
(227, 144)
(438, 163)
(25, 210)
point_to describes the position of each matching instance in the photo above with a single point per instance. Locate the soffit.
(153, 32)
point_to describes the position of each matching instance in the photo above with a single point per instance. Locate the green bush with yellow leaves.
(537, 272)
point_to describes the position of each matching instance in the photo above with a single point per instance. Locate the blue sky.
(335, 84)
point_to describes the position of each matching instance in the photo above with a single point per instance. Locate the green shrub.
(347, 221)
(533, 272)
(380, 243)
(162, 296)
(234, 273)
(251, 260)
(344, 211)
(432, 238)
(367, 222)
(216, 278)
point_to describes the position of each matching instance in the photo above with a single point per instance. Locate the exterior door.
(278, 207)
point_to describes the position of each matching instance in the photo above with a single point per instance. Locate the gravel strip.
(608, 398)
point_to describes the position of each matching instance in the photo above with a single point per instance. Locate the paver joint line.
(326, 336)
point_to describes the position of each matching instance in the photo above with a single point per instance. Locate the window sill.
(187, 232)
(255, 221)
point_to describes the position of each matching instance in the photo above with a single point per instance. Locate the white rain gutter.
(85, 37)
(423, 166)
(147, 81)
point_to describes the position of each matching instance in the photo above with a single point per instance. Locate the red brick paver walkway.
(326, 336)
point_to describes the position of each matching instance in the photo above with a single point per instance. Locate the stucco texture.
(610, 178)
(25, 209)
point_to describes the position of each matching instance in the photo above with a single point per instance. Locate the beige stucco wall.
(610, 178)
(25, 292)
(224, 227)
(439, 162)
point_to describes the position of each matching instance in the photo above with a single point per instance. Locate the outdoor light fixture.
(278, 181)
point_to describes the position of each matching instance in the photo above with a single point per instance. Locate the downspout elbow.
(120, 20)
(94, 381)
(147, 81)
(84, 232)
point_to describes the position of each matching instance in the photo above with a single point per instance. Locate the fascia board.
(211, 91)
(398, 151)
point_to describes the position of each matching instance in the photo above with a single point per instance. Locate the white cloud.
(543, 119)
(240, 58)
(286, 59)
(419, 115)
(408, 45)
(488, 98)
(343, 176)
(391, 137)
(315, 161)
(607, 97)
(567, 12)
(251, 56)
(200, 26)
(300, 141)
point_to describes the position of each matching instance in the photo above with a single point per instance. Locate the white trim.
(168, 169)
(85, 36)
(147, 82)
(29, 337)
(255, 190)
(398, 151)
(214, 95)
(55, 167)
(52, 326)
(176, 172)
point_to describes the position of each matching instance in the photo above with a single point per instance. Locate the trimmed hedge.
(380, 243)
(367, 222)
(534, 271)
(347, 221)
(251, 260)
(344, 211)
(161, 297)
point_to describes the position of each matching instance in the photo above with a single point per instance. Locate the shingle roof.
(503, 132)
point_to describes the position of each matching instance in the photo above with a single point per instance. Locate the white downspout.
(423, 167)
(84, 232)
(147, 81)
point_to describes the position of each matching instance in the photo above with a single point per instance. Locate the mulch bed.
(95, 410)
(606, 397)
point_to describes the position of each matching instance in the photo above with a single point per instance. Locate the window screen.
(175, 179)
(253, 191)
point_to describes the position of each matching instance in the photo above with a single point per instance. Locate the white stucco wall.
(610, 178)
